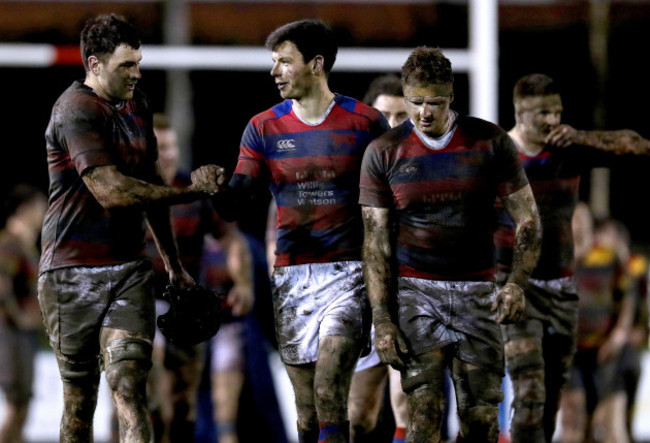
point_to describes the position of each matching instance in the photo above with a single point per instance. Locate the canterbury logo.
(286, 144)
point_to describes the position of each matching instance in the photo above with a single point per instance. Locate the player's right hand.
(390, 344)
(563, 136)
(209, 179)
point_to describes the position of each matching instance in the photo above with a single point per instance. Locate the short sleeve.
(374, 187)
(510, 173)
(86, 133)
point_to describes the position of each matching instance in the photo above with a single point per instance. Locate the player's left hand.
(563, 136)
(509, 304)
(209, 179)
(390, 344)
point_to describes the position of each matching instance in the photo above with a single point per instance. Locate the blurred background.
(593, 49)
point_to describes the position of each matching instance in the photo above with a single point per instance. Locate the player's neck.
(312, 107)
(523, 145)
(93, 84)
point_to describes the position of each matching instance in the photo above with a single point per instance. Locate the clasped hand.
(209, 179)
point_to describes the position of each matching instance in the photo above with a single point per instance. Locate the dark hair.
(103, 33)
(388, 84)
(19, 195)
(160, 121)
(533, 85)
(311, 37)
(427, 66)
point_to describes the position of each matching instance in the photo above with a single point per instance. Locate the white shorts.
(317, 300)
(227, 353)
(372, 359)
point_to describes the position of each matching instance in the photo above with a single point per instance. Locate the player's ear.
(318, 63)
(93, 64)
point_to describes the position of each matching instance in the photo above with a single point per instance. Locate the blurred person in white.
(20, 317)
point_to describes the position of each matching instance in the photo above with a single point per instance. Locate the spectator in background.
(20, 317)
(593, 403)
(176, 373)
(228, 346)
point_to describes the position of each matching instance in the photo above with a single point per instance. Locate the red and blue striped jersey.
(554, 176)
(85, 131)
(313, 173)
(443, 200)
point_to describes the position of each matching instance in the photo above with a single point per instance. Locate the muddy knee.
(479, 394)
(127, 364)
(526, 367)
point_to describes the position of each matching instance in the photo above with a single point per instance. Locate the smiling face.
(428, 107)
(536, 116)
(114, 77)
(393, 108)
(294, 78)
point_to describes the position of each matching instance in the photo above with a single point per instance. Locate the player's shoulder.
(479, 128)
(79, 102)
(391, 139)
(354, 106)
(271, 114)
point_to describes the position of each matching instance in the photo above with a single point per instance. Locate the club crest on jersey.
(286, 144)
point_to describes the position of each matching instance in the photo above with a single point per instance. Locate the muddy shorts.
(227, 347)
(17, 354)
(316, 300)
(434, 314)
(554, 303)
(77, 302)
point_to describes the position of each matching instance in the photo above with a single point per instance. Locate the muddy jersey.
(554, 176)
(443, 200)
(85, 131)
(313, 173)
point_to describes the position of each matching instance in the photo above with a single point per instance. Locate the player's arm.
(112, 189)
(377, 254)
(620, 333)
(624, 141)
(522, 208)
(158, 218)
(239, 261)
